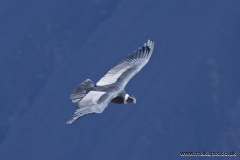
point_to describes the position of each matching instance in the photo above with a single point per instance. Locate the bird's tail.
(81, 90)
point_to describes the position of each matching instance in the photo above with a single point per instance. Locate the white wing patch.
(112, 76)
(91, 98)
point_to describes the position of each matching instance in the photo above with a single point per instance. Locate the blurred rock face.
(188, 94)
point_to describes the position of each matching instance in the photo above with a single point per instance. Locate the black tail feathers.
(81, 90)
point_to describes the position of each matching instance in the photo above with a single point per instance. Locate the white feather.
(125, 98)
(91, 98)
(112, 76)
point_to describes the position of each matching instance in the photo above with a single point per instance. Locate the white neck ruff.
(125, 98)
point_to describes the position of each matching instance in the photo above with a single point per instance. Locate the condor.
(94, 98)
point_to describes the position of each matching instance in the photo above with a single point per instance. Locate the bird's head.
(129, 99)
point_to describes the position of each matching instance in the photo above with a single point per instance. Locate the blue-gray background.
(188, 95)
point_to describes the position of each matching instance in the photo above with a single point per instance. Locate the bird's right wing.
(93, 102)
(122, 72)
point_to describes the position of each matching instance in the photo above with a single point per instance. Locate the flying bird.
(94, 98)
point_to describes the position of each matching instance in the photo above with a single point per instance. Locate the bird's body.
(94, 98)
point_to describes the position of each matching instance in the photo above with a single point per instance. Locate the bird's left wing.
(93, 102)
(126, 69)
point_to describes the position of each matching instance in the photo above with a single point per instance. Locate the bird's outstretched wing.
(93, 102)
(126, 69)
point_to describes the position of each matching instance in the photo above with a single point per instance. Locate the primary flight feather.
(94, 98)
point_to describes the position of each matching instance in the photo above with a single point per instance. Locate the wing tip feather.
(70, 121)
(143, 52)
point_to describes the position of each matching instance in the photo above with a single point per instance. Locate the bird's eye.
(130, 99)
